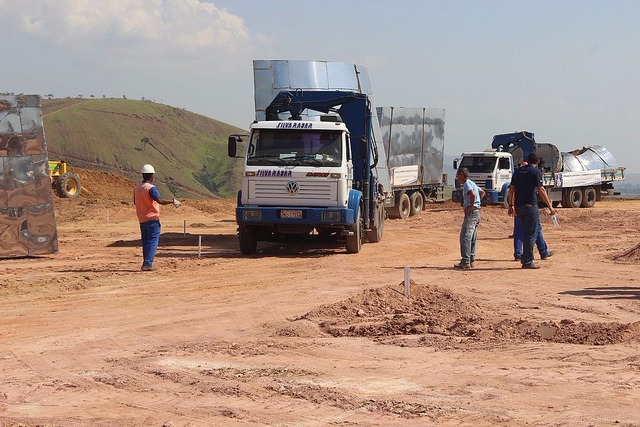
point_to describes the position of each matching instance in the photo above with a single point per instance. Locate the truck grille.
(263, 191)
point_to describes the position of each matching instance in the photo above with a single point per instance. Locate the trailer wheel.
(573, 198)
(416, 202)
(248, 242)
(354, 242)
(402, 209)
(404, 206)
(68, 186)
(589, 197)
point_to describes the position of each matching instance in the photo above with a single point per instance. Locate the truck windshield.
(294, 147)
(479, 164)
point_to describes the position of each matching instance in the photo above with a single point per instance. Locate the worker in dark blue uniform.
(526, 186)
(518, 238)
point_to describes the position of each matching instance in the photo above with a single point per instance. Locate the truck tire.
(375, 235)
(354, 241)
(505, 196)
(589, 197)
(402, 209)
(573, 198)
(248, 242)
(68, 186)
(417, 203)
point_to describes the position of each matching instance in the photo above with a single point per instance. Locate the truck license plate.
(290, 214)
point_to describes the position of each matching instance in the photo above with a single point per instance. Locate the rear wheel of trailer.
(589, 197)
(572, 198)
(402, 209)
(417, 203)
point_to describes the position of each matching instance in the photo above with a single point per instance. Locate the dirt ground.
(306, 335)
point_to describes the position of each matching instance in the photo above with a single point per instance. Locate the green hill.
(188, 150)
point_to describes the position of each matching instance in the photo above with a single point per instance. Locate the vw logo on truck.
(292, 187)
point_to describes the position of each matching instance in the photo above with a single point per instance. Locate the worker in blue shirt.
(471, 196)
(526, 186)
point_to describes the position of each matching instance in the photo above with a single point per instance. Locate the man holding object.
(147, 199)
(526, 186)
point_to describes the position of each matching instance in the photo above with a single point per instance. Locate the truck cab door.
(505, 171)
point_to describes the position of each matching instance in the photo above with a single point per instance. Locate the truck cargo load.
(413, 139)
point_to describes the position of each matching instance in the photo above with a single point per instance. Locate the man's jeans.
(150, 231)
(468, 236)
(529, 217)
(518, 238)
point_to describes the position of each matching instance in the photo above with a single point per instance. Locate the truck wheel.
(573, 198)
(417, 203)
(375, 235)
(68, 186)
(354, 242)
(248, 242)
(589, 197)
(505, 196)
(402, 209)
(404, 206)
(505, 202)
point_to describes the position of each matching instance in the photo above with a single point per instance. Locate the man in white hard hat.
(147, 199)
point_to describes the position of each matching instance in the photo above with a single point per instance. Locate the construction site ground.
(304, 334)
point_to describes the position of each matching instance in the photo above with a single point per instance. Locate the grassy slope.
(188, 150)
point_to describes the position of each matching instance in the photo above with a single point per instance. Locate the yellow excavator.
(67, 184)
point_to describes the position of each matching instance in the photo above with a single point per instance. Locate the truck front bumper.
(260, 215)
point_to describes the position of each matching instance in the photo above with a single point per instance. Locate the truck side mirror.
(362, 148)
(232, 145)
(455, 164)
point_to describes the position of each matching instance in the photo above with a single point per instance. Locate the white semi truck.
(320, 157)
(572, 179)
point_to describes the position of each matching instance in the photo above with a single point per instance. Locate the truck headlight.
(331, 216)
(251, 215)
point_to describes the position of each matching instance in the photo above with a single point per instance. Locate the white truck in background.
(573, 179)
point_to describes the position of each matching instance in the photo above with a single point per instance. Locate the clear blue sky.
(569, 71)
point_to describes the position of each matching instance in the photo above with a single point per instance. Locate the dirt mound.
(440, 317)
(104, 185)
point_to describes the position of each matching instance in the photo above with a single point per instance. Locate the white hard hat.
(147, 169)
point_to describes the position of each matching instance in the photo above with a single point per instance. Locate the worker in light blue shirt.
(471, 196)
